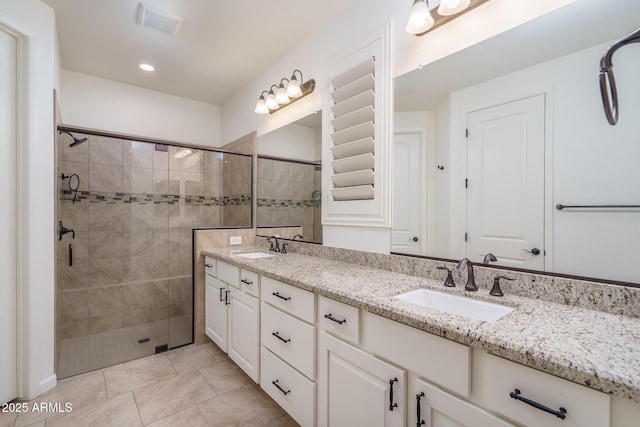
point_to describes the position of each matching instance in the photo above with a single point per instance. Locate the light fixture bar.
(440, 20)
(284, 95)
(306, 88)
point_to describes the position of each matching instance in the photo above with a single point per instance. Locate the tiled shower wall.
(286, 196)
(133, 215)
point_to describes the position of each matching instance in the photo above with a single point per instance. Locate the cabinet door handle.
(208, 265)
(285, 392)
(391, 404)
(277, 294)
(330, 317)
(226, 297)
(419, 419)
(560, 413)
(221, 297)
(277, 335)
(247, 282)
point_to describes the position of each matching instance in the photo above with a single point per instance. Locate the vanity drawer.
(210, 266)
(288, 298)
(495, 378)
(229, 274)
(296, 394)
(437, 359)
(297, 342)
(339, 319)
(250, 282)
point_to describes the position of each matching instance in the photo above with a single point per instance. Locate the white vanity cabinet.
(288, 352)
(356, 388)
(216, 322)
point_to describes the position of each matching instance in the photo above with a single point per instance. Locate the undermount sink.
(254, 255)
(454, 304)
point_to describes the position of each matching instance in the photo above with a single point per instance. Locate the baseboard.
(48, 383)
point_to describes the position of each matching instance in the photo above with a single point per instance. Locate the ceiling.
(569, 29)
(222, 47)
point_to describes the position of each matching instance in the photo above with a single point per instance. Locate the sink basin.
(454, 304)
(254, 255)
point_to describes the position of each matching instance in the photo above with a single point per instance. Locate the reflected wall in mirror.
(290, 181)
(489, 141)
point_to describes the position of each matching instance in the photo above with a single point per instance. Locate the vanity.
(330, 343)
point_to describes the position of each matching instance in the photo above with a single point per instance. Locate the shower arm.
(608, 89)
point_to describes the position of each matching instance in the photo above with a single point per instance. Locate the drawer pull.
(247, 281)
(330, 317)
(277, 294)
(275, 334)
(226, 297)
(560, 413)
(285, 392)
(208, 265)
(420, 421)
(221, 297)
(391, 404)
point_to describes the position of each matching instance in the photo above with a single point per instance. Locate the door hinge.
(466, 183)
(465, 237)
(466, 132)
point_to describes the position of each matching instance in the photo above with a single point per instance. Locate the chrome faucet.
(489, 257)
(471, 283)
(275, 248)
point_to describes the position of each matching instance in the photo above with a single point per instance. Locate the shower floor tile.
(91, 352)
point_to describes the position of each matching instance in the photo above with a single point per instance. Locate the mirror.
(504, 147)
(290, 181)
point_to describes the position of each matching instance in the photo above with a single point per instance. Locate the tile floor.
(190, 386)
(91, 352)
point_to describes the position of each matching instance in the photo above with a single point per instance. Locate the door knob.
(534, 251)
(415, 238)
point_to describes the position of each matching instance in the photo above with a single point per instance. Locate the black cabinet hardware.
(70, 255)
(419, 419)
(560, 413)
(277, 294)
(221, 297)
(391, 404)
(277, 335)
(285, 392)
(226, 297)
(247, 281)
(330, 317)
(208, 265)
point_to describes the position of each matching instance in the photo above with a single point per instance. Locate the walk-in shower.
(124, 275)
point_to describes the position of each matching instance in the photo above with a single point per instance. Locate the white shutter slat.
(354, 73)
(355, 163)
(360, 192)
(354, 88)
(350, 179)
(354, 118)
(364, 130)
(360, 146)
(354, 103)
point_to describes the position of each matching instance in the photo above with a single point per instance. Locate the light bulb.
(271, 102)
(261, 107)
(420, 19)
(451, 7)
(281, 95)
(293, 88)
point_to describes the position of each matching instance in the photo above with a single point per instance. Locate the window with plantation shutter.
(356, 122)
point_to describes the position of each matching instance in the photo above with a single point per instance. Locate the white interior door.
(505, 193)
(408, 234)
(7, 216)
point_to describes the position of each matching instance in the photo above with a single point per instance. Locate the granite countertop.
(593, 348)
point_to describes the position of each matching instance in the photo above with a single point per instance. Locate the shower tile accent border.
(282, 203)
(590, 294)
(144, 198)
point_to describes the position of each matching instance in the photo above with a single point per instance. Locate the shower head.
(76, 141)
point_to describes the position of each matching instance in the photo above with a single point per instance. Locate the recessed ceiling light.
(146, 67)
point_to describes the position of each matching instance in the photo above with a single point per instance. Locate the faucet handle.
(495, 290)
(449, 283)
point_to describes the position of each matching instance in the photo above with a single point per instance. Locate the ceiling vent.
(159, 20)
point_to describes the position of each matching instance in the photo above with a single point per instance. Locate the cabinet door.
(244, 332)
(437, 408)
(216, 301)
(357, 389)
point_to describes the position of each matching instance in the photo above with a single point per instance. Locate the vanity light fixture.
(425, 16)
(284, 93)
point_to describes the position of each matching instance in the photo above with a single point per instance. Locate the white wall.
(587, 162)
(315, 54)
(97, 103)
(36, 21)
(292, 142)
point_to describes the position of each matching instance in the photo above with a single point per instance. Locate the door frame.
(23, 123)
(427, 176)
(480, 97)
